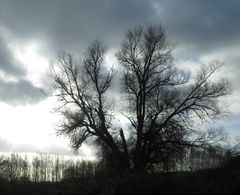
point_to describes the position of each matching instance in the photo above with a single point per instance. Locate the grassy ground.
(221, 181)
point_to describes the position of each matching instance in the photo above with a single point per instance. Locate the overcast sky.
(32, 31)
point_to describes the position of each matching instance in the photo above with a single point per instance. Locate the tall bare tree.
(81, 88)
(163, 101)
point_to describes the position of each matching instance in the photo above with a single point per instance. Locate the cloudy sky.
(32, 31)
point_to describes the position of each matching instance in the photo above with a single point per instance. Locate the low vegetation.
(198, 172)
(220, 181)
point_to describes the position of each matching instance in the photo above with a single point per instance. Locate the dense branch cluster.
(164, 102)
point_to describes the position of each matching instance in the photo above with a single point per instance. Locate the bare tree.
(14, 166)
(81, 88)
(3, 166)
(36, 169)
(163, 101)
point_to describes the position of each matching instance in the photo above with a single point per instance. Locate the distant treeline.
(54, 168)
(44, 168)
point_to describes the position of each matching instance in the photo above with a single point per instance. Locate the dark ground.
(221, 181)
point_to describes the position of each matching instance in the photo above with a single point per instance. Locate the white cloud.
(36, 65)
(29, 124)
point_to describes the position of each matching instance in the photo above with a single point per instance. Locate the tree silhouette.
(164, 102)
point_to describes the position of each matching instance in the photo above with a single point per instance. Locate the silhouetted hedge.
(220, 181)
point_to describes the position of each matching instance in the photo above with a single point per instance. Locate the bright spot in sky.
(36, 64)
(29, 125)
(110, 59)
(34, 125)
(121, 119)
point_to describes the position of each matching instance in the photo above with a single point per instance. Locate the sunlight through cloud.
(35, 63)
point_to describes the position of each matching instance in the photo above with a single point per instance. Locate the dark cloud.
(20, 92)
(8, 64)
(203, 25)
(73, 24)
(200, 25)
